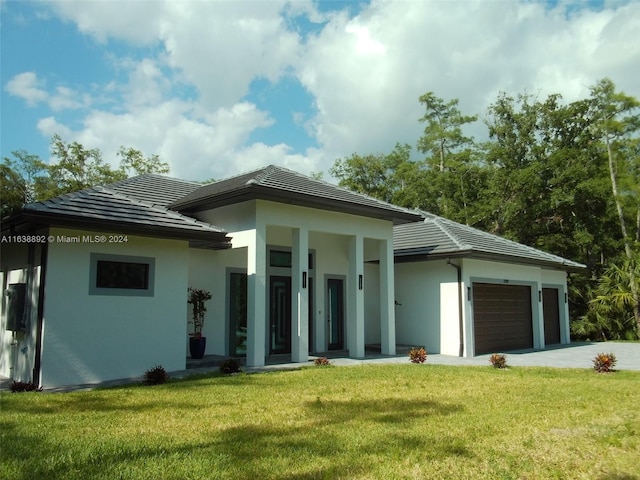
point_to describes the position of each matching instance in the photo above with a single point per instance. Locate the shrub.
(156, 376)
(230, 366)
(19, 387)
(417, 355)
(321, 362)
(498, 360)
(604, 362)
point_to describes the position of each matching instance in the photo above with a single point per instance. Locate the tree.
(132, 162)
(617, 124)
(450, 152)
(390, 177)
(611, 304)
(25, 178)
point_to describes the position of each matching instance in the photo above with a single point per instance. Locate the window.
(121, 275)
(278, 258)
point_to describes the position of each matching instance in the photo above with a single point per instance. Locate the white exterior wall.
(329, 236)
(17, 349)
(427, 308)
(427, 293)
(92, 338)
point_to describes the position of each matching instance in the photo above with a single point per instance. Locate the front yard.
(367, 422)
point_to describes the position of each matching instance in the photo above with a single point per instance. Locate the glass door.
(280, 314)
(335, 311)
(237, 314)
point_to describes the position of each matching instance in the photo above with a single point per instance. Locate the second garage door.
(502, 317)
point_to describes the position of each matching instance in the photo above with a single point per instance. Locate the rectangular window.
(278, 258)
(121, 275)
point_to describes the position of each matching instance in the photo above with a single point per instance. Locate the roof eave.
(424, 254)
(258, 192)
(30, 220)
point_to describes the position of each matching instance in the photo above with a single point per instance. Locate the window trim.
(121, 292)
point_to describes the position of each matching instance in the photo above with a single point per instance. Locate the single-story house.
(95, 282)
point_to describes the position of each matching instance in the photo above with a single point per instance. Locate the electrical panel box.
(16, 297)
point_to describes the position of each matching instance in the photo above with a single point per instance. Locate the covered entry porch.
(303, 291)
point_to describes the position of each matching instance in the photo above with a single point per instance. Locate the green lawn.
(374, 421)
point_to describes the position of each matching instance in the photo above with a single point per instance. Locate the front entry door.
(280, 315)
(335, 313)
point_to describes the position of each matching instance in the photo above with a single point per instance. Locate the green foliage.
(561, 177)
(197, 299)
(604, 362)
(498, 360)
(322, 362)
(26, 178)
(417, 355)
(20, 387)
(611, 305)
(156, 376)
(230, 366)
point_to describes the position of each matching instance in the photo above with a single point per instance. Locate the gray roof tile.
(105, 207)
(283, 185)
(438, 237)
(155, 189)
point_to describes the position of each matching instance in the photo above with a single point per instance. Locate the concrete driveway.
(575, 355)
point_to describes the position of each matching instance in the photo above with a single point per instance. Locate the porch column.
(257, 297)
(355, 298)
(300, 295)
(387, 299)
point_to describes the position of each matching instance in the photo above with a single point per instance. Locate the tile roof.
(283, 185)
(438, 237)
(155, 189)
(108, 208)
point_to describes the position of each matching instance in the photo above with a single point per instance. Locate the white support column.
(257, 298)
(387, 299)
(355, 298)
(300, 295)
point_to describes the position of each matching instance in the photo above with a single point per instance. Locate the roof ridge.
(441, 222)
(153, 206)
(128, 180)
(499, 238)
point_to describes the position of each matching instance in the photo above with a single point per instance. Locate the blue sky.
(219, 88)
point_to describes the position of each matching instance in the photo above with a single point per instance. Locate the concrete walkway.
(575, 355)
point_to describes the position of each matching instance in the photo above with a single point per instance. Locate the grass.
(365, 422)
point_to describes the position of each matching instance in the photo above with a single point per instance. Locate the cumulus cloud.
(27, 86)
(31, 89)
(364, 70)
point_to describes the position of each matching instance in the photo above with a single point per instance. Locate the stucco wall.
(91, 338)
(329, 234)
(428, 297)
(426, 305)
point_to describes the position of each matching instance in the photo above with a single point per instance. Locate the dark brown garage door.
(551, 316)
(502, 317)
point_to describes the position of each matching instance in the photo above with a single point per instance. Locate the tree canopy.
(561, 177)
(26, 178)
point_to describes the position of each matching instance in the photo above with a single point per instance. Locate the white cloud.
(27, 86)
(365, 73)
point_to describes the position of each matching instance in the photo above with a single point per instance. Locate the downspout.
(40, 314)
(460, 316)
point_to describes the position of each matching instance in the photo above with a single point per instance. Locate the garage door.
(551, 316)
(502, 317)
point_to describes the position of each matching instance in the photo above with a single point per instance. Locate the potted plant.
(197, 343)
